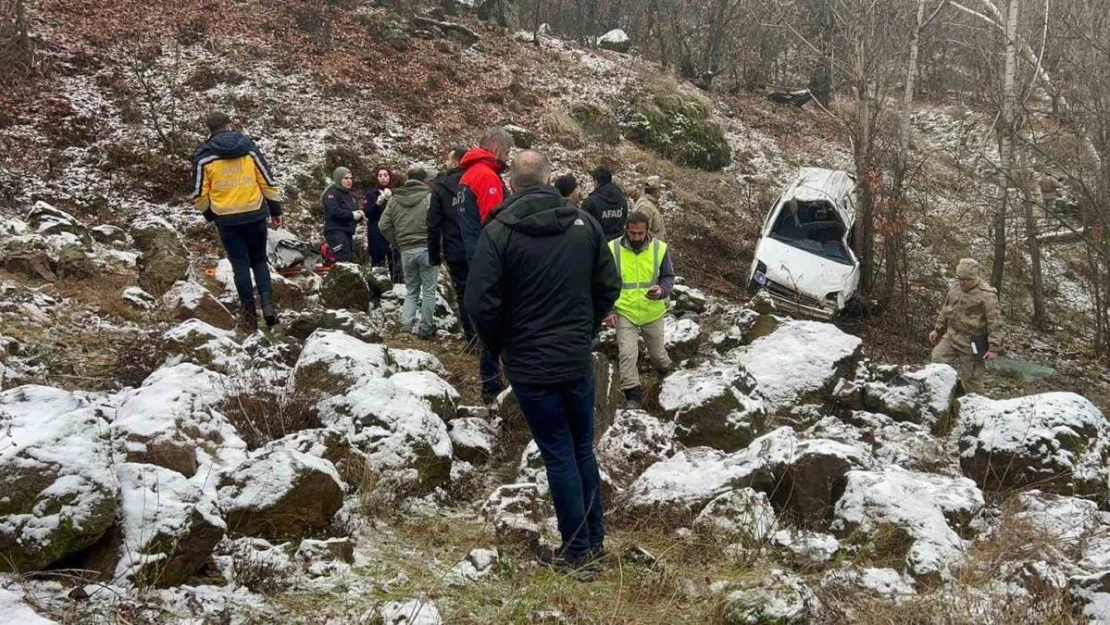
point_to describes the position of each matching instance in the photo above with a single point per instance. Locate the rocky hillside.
(161, 466)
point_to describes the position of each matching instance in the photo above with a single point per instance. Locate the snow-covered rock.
(886, 584)
(329, 444)
(189, 300)
(800, 362)
(322, 558)
(742, 515)
(166, 420)
(411, 612)
(301, 324)
(806, 475)
(924, 396)
(1056, 441)
(711, 407)
(163, 258)
(434, 390)
(59, 493)
(472, 439)
(47, 220)
(14, 610)
(929, 510)
(27, 255)
(780, 598)
(405, 442)
(107, 234)
(516, 513)
(138, 298)
(900, 443)
(683, 484)
(635, 441)
(687, 299)
(333, 361)
(1068, 521)
(681, 337)
(616, 40)
(280, 494)
(166, 532)
(345, 287)
(205, 345)
(806, 549)
(479, 564)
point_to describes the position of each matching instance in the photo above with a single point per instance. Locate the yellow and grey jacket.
(969, 313)
(232, 183)
(642, 268)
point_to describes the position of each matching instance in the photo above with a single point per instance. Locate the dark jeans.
(459, 270)
(341, 244)
(561, 418)
(246, 249)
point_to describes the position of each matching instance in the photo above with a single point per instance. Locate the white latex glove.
(384, 197)
(359, 216)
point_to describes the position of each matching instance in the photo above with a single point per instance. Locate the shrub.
(598, 122)
(138, 360)
(678, 125)
(262, 413)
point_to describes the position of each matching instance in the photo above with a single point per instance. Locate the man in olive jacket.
(970, 311)
(405, 224)
(541, 282)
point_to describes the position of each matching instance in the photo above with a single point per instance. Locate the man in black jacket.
(445, 241)
(607, 203)
(541, 282)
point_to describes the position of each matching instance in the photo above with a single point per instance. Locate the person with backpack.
(444, 235)
(607, 204)
(234, 188)
(541, 281)
(481, 191)
(341, 215)
(405, 224)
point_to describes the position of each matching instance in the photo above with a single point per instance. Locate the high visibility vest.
(639, 272)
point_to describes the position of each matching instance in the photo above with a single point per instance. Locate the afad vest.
(639, 272)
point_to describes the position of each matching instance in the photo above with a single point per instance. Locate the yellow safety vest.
(639, 272)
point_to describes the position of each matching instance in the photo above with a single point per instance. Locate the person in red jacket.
(481, 191)
(481, 188)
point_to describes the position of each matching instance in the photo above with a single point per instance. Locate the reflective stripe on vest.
(637, 276)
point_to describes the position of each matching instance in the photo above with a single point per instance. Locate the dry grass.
(561, 128)
(262, 413)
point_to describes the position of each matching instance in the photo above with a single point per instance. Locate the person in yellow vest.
(647, 277)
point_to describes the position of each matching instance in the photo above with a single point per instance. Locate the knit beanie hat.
(968, 268)
(338, 175)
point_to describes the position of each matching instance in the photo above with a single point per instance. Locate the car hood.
(809, 273)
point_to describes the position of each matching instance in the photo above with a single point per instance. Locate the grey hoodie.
(405, 220)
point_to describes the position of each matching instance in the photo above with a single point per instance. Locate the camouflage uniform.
(649, 206)
(964, 315)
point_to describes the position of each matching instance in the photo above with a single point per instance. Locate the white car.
(804, 258)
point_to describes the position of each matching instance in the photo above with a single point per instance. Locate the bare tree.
(1007, 128)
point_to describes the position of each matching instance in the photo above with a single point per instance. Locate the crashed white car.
(804, 258)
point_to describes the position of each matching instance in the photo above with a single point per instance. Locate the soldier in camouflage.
(970, 309)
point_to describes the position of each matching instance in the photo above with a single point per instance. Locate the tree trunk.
(1005, 146)
(894, 239)
(1030, 192)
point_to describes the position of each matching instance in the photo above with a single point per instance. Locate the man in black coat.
(541, 282)
(608, 203)
(445, 241)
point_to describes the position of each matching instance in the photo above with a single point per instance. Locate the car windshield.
(814, 227)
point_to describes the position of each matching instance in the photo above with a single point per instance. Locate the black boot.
(634, 398)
